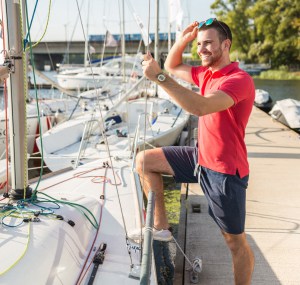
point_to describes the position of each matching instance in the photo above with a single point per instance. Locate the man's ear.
(227, 44)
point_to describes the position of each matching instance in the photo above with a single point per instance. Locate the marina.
(203, 239)
(71, 194)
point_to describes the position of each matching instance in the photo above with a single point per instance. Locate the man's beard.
(212, 59)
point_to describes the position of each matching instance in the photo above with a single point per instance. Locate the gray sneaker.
(161, 235)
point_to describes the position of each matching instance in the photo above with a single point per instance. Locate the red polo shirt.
(221, 144)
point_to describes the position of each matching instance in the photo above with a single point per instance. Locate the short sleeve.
(196, 71)
(238, 87)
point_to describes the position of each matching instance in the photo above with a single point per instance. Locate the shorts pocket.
(226, 186)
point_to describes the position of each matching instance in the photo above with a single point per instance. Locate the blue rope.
(26, 38)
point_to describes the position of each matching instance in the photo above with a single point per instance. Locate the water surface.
(279, 89)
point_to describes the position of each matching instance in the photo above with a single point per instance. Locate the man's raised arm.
(173, 63)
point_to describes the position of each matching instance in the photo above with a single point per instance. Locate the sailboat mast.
(123, 39)
(156, 35)
(16, 98)
(156, 38)
(169, 28)
(86, 42)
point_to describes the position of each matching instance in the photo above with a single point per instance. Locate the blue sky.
(65, 23)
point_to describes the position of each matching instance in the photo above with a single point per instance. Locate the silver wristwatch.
(161, 77)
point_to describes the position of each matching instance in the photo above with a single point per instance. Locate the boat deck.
(273, 213)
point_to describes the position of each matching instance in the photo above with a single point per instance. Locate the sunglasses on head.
(209, 21)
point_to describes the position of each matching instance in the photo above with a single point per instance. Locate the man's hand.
(189, 33)
(150, 67)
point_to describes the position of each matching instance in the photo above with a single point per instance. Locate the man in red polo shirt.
(219, 163)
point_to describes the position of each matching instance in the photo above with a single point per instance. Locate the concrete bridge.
(53, 53)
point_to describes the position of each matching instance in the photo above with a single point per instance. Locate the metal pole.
(156, 40)
(148, 239)
(123, 39)
(16, 99)
(156, 30)
(86, 42)
(169, 28)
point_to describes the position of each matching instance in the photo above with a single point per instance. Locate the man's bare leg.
(242, 258)
(150, 165)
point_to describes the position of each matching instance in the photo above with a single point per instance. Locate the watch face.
(161, 77)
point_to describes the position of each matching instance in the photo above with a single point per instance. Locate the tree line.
(264, 31)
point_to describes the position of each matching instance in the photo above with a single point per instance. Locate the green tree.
(263, 30)
(277, 26)
(235, 13)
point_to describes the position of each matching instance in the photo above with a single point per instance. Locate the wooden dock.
(273, 213)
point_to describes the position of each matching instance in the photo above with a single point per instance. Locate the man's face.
(210, 49)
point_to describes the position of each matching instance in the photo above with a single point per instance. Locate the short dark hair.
(222, 29)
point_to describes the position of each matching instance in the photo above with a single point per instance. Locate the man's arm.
(193, 102)
(174, 63)
(187, 99)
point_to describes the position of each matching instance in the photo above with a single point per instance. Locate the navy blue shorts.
(225, 193)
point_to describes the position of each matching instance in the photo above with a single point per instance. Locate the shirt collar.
(227, 69)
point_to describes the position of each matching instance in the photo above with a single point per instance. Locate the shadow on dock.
(272, 221)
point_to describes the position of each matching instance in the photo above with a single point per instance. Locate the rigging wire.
(35, 200)
(145, 115)
(109, 154)
(34, 10)
(22, 210)
(21, 255)
(36, 98)
(144, 138)
(110, 157)
(25, 96)
(73, 32)
(11, 213)
(46, 27)
(85, 40)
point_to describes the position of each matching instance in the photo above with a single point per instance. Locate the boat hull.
(61, 251)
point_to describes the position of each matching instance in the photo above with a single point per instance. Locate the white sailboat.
(69, 228)
(53, 112)
(99, 76)
(106, 72)
(80, 140)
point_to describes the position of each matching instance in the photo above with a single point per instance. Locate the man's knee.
(235, 242)
(139, 161)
